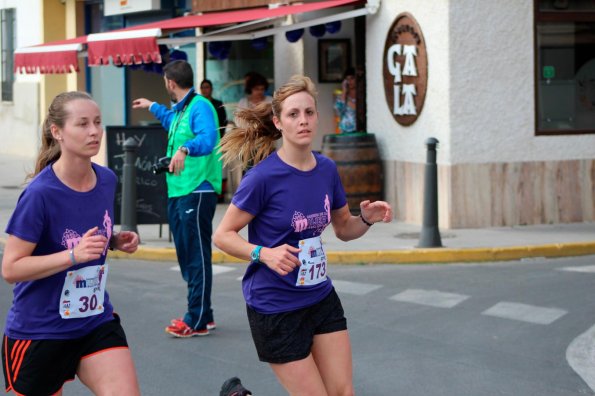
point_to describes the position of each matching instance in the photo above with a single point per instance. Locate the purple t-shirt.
(288, 205)
(55, 217)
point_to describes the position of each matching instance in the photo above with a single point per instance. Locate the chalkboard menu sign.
(151, 190)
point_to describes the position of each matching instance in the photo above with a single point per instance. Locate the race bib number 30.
(83, 292)
(313, 262)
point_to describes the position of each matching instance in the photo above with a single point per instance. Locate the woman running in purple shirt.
(61, 322)
(287, 199)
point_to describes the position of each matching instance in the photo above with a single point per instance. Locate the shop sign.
(405, 69)
(118, 7)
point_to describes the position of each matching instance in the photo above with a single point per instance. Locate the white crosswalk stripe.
(217, 269)
(584, 268)
(357, 288)
(221, 269)
(433, 298)
(525, 313)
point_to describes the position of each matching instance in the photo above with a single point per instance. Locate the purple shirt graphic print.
(54, 217)
(318, 221)
(289, 205)
(71, 238)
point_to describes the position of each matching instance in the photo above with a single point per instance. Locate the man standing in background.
(193, 184)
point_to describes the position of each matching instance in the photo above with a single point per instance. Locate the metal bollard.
(430, 235)
(128, 214)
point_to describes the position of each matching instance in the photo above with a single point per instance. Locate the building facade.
(485, 70)
(507, 91)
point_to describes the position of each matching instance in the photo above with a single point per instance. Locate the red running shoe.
(182, 330)
(210, 325)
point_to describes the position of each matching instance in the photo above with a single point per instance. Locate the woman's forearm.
(233, 244)
(35, 267)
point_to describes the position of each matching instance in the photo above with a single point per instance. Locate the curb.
(410, 256)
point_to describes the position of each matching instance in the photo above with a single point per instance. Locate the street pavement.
(490, 329)
(523, 327)
(394, 242)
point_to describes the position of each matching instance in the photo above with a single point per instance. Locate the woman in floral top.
(345, 103)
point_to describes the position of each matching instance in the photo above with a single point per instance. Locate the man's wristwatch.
(184, 149)
(255, 255)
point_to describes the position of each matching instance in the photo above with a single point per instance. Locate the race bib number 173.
(312, 262)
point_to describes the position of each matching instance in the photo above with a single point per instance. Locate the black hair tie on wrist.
(365, 221)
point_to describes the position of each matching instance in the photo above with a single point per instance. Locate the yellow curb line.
(410, 256)
(413, 256)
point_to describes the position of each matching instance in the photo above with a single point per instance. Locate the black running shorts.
(41, 367)
(288, 336)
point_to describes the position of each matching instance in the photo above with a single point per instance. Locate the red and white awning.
(57, 57)
(140, 44)
(124, 47)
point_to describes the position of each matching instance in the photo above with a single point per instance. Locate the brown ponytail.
(56, 115)
(253, 139)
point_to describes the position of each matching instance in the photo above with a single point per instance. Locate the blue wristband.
(255, 255)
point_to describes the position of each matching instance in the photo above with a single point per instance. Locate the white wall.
(492, 100)
(396, 142)
(492, 107)
(19, 119)
(288, 59)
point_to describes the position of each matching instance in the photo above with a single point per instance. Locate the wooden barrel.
(359, 166)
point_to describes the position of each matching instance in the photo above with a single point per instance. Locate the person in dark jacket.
(206, 90)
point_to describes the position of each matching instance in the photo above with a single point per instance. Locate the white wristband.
(72, 259)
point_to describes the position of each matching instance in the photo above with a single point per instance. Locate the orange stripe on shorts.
(20, 360)
(7, 366)
(14, 348)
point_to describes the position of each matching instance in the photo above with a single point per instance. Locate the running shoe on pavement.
(210, 325)
(181, 330)
(234, 387)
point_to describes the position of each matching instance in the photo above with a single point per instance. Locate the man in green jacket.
(193, 184)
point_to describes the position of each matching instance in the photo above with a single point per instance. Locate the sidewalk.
(383, 243)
